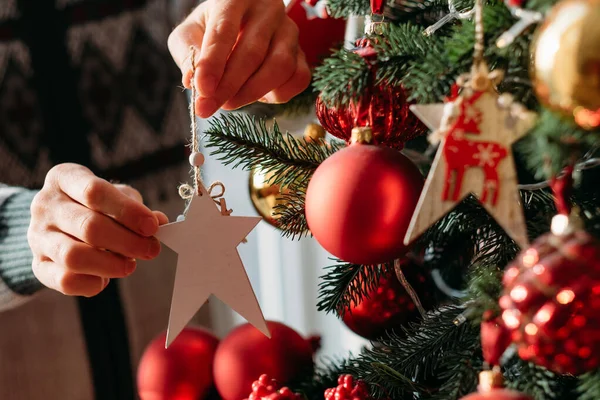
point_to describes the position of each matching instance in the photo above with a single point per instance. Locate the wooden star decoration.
(208, 263)
(476, 129)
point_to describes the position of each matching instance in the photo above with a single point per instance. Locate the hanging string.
(196, 158)
(478, 53)
(409, 289)
(195, 142)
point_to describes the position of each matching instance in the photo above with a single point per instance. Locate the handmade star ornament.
(208, 262)
(476, 129)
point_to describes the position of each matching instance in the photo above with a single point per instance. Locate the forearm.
(17, 282)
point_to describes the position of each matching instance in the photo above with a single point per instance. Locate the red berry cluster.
(268, 389)
(348, 389)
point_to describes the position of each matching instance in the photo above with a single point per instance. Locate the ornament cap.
(363, 135)
(489, 380)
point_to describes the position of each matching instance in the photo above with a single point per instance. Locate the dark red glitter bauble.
(389, 306)
(383, 108)
(551, 302)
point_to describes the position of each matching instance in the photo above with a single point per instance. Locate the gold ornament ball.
(265, 195)
(565, 61)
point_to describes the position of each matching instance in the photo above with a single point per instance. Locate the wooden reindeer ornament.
(476, 130)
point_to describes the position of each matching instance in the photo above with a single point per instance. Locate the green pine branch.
(341, 78)
(290, 214)
(588, 386)
(244, 142)
(531, 379)
(345, 284)
(347, 8)
(459, 371)
(412, 359)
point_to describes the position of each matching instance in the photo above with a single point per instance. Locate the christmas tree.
(491, 265)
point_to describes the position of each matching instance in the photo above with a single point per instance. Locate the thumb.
(130, 192)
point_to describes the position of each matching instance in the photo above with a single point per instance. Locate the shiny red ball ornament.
(348, 389)
(389, 306)
(498, 394)
(382, 107)
(184, 371)
(266, 388)
(360, 201)
(246, 353)
(491, 387)
(317, 36)
(551, 302)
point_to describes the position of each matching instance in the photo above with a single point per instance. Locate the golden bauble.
(265, 195)
(565, 61)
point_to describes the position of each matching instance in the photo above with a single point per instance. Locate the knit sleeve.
(17, 282)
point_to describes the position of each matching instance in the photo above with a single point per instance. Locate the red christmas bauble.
(551, 302)
(383, 108)
(359, 203)
(389, 306)
(498, 394)
(246, 353)
(184, 371)
(317, 36)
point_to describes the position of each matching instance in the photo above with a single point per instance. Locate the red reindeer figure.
(462, 153)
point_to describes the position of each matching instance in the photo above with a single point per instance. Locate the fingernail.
(153, 248)
(205, 107)
(130, 266)
(208, 85)
(148, 226)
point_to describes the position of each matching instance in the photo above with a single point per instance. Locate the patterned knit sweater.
(92, 82)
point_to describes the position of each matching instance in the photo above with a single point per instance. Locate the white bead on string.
(196, 159)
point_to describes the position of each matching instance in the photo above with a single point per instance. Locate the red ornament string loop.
(562, 187)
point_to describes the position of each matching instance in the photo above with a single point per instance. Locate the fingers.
(189, 33)
(299, 81)
(98, 230)
(162, 218)
(278, 67)
(129, 191)
(222, 28)
(58, 278)
(248, 55)
(80, 258)
(81, 185)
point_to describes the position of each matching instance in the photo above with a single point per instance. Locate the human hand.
(85, 230)
(246, 50)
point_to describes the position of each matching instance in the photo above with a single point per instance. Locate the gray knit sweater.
(17, 282)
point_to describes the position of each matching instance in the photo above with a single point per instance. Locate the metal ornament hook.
(451, 16)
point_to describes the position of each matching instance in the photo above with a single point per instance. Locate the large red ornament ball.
(389, 306)
(184, 371)
(246, 354)
(359, 203)
(497, 394)
(551, 302)
(317, 36)
(383, 108)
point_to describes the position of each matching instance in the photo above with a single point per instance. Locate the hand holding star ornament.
(477, 129)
